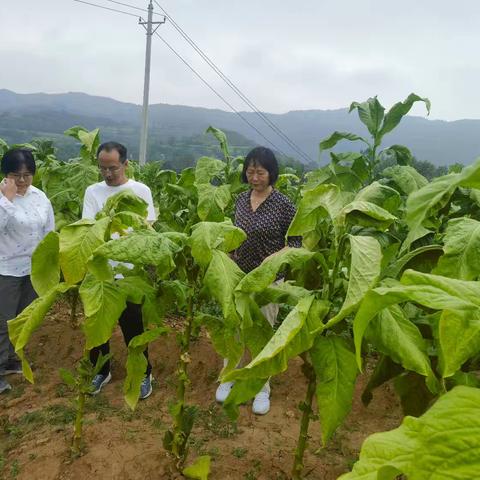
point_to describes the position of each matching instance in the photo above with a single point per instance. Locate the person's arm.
(8, 188)
(290, 211)
(50, 225)
(151, 214)
(89, 205)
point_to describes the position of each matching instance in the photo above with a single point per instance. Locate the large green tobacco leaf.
(423, 203)
(283, 292)
(421, 259)
(399, 110)
(315, 205)
(393, 334)
(381, 195)
(406, 178)
(103, 303)
(222, 139)
(199, 470)
(443, 444)
(458, 336)
(137, 364)
(77, 243)
(265, 274)
(401, 154)
(209, 236)
(212, 201)
(125, 201)
(21, 328)
(365, 267)
(224, 337)
(207, 168)
(145, 247)
(336, 371)
(295, 335)
(462, 250)
(371, 115)
(46, 264)
(366, 214)
(432, 291)
(221, 279)
(335, 137)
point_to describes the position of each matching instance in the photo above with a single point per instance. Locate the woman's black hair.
(263, 157)
(14, 159)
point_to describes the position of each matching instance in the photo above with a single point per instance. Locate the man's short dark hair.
(263, 157)
(14, 159)
(118, 147)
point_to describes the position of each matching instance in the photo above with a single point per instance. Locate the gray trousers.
(16, 293)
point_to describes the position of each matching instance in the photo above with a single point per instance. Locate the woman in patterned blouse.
(265, 215)
(26, 216)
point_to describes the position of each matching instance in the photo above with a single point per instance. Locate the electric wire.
(185, 62)
(218, 94)
(227, 80)
(106, 8)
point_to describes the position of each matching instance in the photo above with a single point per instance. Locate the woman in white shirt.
(26, 216)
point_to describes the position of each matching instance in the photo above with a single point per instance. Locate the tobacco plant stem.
(77, 432)
(178, 449)
(306, 416)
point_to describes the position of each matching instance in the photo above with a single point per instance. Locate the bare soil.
(36, 420)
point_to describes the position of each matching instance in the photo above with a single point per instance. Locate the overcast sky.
(284, 55)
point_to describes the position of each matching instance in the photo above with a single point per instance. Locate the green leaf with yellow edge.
(78, 241)
(432, 291)
(440, 445)
(366, 214)
(461, 250)
(199, 470)
(103, 303)
(21, 328)
(46, 264)
(315, 205)
(336, 371)
(458, 336)
(145, 247)
(212, 201)
(137, 364)
(365, 268)
(209, 236)
(393, 334)
(295, 335)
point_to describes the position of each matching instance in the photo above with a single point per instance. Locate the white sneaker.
(223, 391)
(261, 403)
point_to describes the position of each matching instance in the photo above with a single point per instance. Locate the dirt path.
(35, 420)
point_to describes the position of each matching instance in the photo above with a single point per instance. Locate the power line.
(133, 6)
(217, 70)
(106, 8)
(219, 95)
(193, 70)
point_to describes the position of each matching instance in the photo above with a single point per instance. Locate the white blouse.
(23, 224)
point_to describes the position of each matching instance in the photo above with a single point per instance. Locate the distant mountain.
(23, 116)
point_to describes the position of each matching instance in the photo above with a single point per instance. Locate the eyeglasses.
(17, 176)
(109, 169)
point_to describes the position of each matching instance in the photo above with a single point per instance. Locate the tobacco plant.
(60, 264)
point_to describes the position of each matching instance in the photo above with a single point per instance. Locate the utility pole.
(148, 25)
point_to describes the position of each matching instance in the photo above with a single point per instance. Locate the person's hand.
(8, 187)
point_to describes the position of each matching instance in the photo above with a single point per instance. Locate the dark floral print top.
(265, 227)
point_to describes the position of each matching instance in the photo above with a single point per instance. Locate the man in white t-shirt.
(112, 162)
